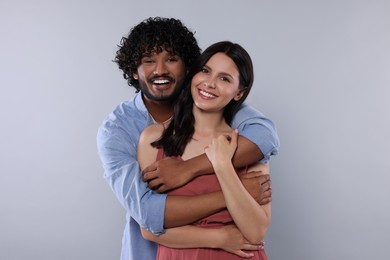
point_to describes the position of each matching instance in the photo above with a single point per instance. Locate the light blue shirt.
(117, 140)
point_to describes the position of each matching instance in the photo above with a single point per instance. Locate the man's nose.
(160, 68)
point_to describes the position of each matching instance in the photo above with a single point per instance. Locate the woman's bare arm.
(251, 218)
(179, 210)
(228, 238)
(169, 173)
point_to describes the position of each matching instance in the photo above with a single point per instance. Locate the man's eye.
(172, 59)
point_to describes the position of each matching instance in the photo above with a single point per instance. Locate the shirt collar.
(140, 104)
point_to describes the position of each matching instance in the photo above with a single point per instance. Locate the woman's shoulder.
(154, 129)
(152, 133)
(147, 154)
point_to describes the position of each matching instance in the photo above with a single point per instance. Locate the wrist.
(215, 238)
(189, 169)
(221, 166)
(199, 165)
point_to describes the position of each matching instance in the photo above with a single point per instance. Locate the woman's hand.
(234, 242)
(222, 148)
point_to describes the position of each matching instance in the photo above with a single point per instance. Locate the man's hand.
(166, 174)
(258, 185)
(234, 242)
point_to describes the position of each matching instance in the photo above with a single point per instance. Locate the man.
(155, 58)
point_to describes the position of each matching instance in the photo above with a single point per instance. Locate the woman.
(220, 82)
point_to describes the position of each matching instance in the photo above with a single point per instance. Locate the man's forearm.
(183, 210)
(247, 153)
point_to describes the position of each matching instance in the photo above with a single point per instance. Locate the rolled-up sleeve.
(259, 129)
(117, 151)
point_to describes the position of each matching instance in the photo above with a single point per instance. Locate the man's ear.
(239, 94)
(135, 76)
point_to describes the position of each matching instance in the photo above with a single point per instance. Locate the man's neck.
(161, 111)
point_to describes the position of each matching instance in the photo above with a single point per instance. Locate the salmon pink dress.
(202, 185)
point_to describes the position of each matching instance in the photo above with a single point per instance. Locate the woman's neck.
(209, 123)
(207, 126)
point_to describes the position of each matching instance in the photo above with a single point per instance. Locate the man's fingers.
(267, 197)
(265, 178)
(148, 176)
(162, 188)
(150, 168)
(154, 184)
(255, 174)
(268, 193)
(266, 201)
(266, 185)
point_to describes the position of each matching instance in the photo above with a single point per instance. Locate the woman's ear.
(239, 94)
(135, 76)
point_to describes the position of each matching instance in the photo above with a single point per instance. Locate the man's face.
(160, 76)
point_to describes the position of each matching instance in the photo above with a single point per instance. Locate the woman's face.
(216, 84)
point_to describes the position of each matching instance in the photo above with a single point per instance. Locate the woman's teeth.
(206, 94)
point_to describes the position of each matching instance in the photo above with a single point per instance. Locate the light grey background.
(322, 74)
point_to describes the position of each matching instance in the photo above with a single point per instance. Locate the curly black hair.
(155, 34)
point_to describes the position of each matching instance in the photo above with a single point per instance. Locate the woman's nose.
(209, 84)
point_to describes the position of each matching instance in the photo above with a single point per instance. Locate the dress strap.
(160, 154)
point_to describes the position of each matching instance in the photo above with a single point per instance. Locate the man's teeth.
(161, 81)
(206, 94)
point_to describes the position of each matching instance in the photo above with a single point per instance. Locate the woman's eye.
(204, 70)
(225, 79)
